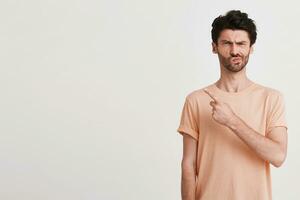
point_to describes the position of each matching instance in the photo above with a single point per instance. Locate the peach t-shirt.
(227, 169)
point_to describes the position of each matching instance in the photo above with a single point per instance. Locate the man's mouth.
(236, 59)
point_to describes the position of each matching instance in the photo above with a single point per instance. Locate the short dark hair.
(235, 20)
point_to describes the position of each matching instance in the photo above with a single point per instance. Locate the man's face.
(233, 49)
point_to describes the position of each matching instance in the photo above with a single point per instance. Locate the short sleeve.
(277, 114)
(188, 122)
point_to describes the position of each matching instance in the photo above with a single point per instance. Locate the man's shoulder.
(268, 91)
(198, 94)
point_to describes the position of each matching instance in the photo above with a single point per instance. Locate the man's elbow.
(279, 160)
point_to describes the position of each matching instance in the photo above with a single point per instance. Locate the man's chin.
(234, 68)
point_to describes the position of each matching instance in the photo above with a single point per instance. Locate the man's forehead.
(234, 35)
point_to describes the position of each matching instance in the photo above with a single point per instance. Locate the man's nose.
(234, 50)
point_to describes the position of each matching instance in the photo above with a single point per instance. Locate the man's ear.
(214, 47)
(251, 49)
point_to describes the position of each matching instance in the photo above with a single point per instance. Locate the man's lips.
(235, 59)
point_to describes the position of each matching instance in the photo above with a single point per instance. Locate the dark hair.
(235, 20)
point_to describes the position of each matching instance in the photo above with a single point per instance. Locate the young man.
(234, 128)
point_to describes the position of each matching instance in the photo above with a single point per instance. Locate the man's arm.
(188, 166)
(272, 147)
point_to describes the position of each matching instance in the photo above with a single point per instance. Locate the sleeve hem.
(189, 131)
(274, 126)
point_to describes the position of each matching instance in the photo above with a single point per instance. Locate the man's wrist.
(234, 122)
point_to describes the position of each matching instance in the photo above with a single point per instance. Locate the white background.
(92, 91)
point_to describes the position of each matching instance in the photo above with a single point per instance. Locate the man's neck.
(233, 82)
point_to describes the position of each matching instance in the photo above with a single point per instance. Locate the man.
(234, 128)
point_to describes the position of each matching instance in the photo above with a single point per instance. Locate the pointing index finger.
(209, 94)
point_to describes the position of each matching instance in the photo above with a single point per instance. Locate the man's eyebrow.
(239, 42)
(225, 41)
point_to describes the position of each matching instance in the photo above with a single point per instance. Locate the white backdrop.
(92, 91)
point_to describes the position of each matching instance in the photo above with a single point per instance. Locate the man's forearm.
(188, 183)
(264, 147)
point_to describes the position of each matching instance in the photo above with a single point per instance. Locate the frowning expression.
(233, 49)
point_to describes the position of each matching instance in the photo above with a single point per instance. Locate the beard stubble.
(234, 66)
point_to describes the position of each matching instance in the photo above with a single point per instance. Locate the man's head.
(233, 36)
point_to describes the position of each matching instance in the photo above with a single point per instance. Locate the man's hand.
(221, 111)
